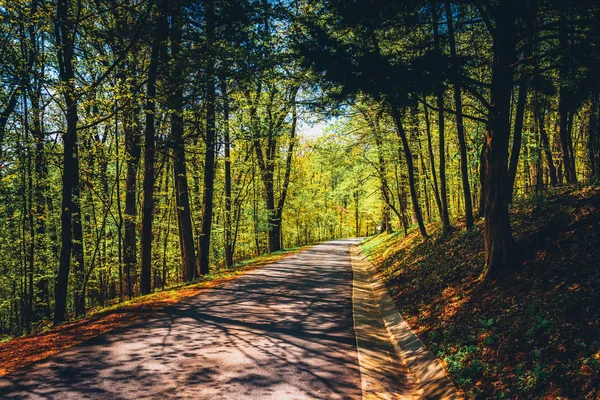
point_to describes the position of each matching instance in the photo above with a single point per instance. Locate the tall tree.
(71, 230)
(209, 155)
(500, 246)
(445, 216)
(566, 97)
(266, 161)
(160, 30)
(460, 128)
(184, 221)
(229, 242)
(521, 102)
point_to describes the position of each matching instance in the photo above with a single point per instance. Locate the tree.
(181, 183)
(160, 27)
(209, 157)
(460, 129)
(71, 230)
(500, 246)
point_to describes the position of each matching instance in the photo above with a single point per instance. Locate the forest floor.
(20, 351)
(534, 333)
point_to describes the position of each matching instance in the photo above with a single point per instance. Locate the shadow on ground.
(283, 331)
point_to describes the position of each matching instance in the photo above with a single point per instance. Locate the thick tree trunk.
(209, 160)
(460, 129)
(500, 246)
(411, 172)
(184, 221)
(149, 152)
(71, 231)
(274, 234)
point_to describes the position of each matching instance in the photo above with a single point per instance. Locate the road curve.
(284, 331)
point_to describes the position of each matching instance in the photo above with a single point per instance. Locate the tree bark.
(460, 130)
(266, 166)
(445, 216)
(521, 102)
(594, 138)
(539, 116)
(500, 246)
(565, 106)
(150, 149)
(411, 172)
(229, 243)
(184, 221)
(71, 232)
(209, 159)
(517, 137)
(133, 149)
(436, 192)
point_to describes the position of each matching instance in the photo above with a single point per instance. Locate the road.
(284, 331)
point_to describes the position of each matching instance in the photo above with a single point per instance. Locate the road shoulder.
(406, 371)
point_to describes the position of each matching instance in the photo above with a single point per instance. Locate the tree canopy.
(143, 144)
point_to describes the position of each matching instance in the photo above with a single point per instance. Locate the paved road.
(284, 331)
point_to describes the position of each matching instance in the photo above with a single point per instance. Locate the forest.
(145, 144)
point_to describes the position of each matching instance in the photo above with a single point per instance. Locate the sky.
(311, 130)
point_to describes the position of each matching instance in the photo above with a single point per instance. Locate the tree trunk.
(565, 106)
(356, 214)
(209, 161)
(594, 138)
(539, 116)
(520, 113)
(411, 172)
(266, 165)
(41, 188)
(229, 242)
(149, 151)
(132, 147)
(184, 221)
(517, 138)
(482, 188)
(436, 192)
(71, 215)
(460, 130)
(445, 215)
(499, 243)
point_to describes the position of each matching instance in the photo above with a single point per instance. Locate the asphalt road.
(284, 331)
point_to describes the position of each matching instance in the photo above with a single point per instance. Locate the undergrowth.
(534, 333)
